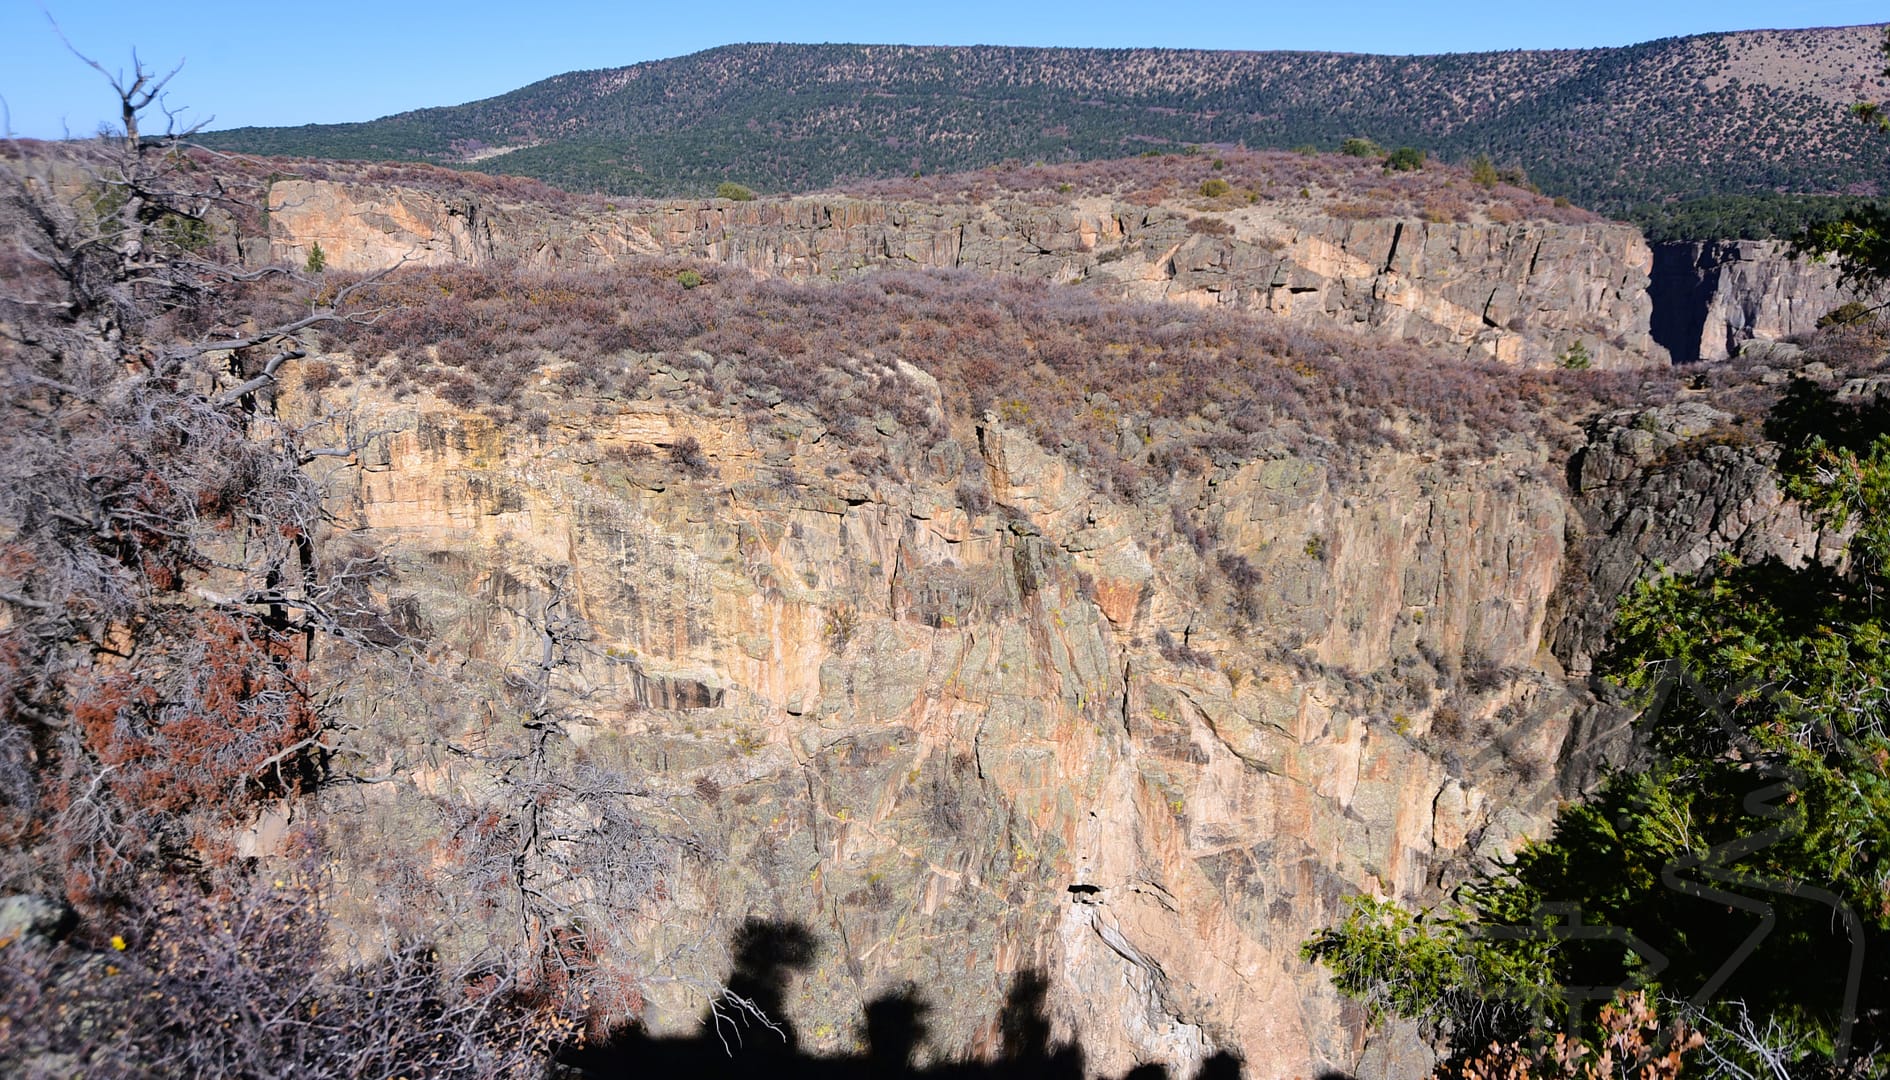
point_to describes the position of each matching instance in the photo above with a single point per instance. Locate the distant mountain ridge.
(1740, 112)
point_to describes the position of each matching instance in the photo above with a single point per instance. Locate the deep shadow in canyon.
(733, 1044)
(1681, 287)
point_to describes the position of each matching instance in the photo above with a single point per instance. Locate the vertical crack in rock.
(1128, 731)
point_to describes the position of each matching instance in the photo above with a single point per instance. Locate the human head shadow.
(733, 1041)
(895, 1030)
(767, 954)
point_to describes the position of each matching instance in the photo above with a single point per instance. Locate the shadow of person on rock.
(895, 1030)
(1024, 1026)
(733, 1040)
(767, 955)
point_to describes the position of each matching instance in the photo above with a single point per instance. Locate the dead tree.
(154, 517)
(161, 588)
(163, 583)
(559, 852)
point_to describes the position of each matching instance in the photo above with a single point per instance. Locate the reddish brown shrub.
(209, 722)
(1631, 1044)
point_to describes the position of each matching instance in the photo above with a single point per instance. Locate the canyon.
(744, 617)
(1140, 747)
(1146, 607)
(1714, 298)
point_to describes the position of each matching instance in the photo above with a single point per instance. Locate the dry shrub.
(1632, 1046)
(1148, 180)
(1357, 211)
(686, 455)
(1035, 355)
(1447, 722)
(1446, 207)
(318, 375)
(1179, 652)
(239, 983)
(838, 626)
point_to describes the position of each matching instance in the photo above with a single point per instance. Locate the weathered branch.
(143, 90)
(267, 377)
(26, 602)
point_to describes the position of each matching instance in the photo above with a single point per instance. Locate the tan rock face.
(1054, 736)
(360, 227)
(1522, 293)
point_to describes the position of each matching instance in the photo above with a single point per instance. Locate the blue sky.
(270, 62)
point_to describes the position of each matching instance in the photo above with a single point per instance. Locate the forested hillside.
(1713, 114)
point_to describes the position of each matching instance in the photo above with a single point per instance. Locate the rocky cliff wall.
(1712, 298)
(1666, 489)
(961, 743)
(1140, 746)
(1521, 293)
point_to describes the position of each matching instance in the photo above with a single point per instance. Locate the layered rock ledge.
(1522, 293)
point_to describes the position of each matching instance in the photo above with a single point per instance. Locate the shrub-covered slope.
(1737, 112)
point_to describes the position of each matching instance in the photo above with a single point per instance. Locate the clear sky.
(280, 62)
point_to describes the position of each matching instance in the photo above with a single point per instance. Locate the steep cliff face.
(1657, 492)
(1666, 489)
(1712, 298)
(958, 743)
(954, 706)
(1522, 293)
